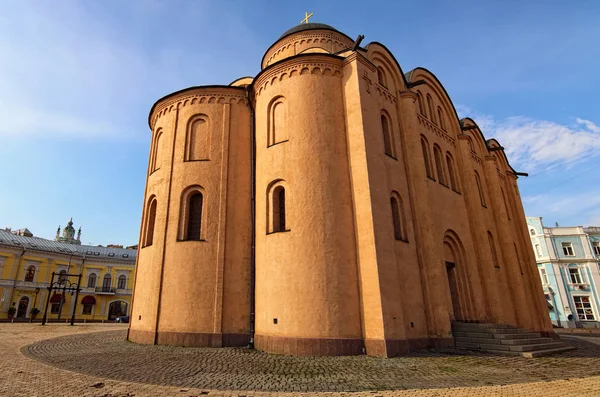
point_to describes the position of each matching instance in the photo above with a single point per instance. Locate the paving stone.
(70, 361)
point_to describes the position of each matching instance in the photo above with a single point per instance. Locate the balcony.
(580, 285)
(106, 290)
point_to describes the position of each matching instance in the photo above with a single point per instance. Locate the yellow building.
(331, 204)
(27, 264)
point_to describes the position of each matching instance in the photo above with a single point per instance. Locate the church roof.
(307, 26)
(41, 244)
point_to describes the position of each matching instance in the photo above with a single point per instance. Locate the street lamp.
(66, 285)
(37, 291)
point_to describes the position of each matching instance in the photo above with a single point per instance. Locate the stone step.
(532, 354)
(479, 326)
(493, 341)
(529, 335)
(507, 331)
(525, 341)
(535, 347)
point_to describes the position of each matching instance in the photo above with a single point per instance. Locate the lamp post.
(37, 291)
(65, 285)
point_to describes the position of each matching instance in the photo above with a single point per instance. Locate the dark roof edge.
(262, 60)
(188, 89)
(238, 79)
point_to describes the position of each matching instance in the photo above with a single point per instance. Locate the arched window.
(421, 103)
(505, 204)
(426, 157)
(197, 140)
(398, 217)
(439, 164)
(276, 202)
(452, 173)
(277, 128)
(493, 249)
(62, 276)
(480, 189)
(30, 273)
(106, 283)
(194, 216)
(430, 108)
(440, 115)
(279, 209)
(388, 142)
(122, 282)
(92, 280)
(381, 78)
(156, 152)
(532, 231)
(150, 220)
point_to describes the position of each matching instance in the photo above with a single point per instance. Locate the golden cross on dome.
(305, 20)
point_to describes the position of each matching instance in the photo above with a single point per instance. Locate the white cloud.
(534, 144)
(584, 206)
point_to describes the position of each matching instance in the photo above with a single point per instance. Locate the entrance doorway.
(22, 309)
(458, 279)
(117, 309)
(452, 281)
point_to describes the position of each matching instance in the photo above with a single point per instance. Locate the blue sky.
(77, 79)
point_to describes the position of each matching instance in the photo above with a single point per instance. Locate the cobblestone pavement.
(106, 365)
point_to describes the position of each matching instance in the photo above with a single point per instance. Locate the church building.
(330, 205)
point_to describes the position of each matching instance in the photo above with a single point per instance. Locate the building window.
(194, 218)
(92, 280)
(276, 207)
(440, 115)
(421, 103)
(62, 276)
(381, 78)
(452, 173)
(106, 283)
(30, 273)
(480, 189)
(575, 276)
(398, 217)
(439, 165)
(122, 283)
(532, 231)
(596, 247)
(156, 152)
(150, 220)
(276, 119)
(430, 108)
(279, 209)
(584, 309)
(538, 250)
(568, 249)
(426, 157)
(493, 249)
(505, 204)
(388, 142)
(87, 308)
(544, 276)
(197, 139)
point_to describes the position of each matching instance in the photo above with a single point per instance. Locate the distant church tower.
(69, 234)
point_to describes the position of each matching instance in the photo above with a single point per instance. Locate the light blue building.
(568, 260)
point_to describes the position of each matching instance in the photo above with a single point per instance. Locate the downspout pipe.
(253, 216)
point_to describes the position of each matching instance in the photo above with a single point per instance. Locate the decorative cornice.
(435, 129)
(476, 158)
(202, 95)
(325, 66)
(303, 38)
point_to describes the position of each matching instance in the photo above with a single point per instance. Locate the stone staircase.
(505, 339)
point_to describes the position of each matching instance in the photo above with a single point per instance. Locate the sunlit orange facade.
(330, 205)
